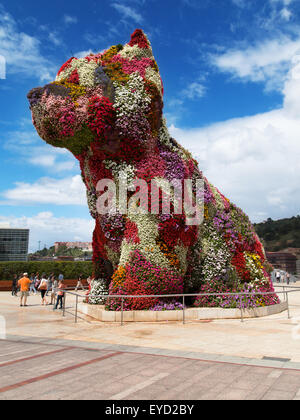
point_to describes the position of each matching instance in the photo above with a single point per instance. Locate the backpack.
(43, 285)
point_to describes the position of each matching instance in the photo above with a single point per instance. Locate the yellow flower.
(75, 91)
(110, 53)
(119, 276)
(206, 214)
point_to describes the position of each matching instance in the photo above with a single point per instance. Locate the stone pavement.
(46, 356)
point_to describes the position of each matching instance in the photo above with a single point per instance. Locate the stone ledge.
(98, 312)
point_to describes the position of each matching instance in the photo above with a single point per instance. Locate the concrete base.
(98, 312)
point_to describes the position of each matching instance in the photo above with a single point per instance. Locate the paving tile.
(213, 393)
(233, 394)
(257, 393)
(148, 393)
(246, 384)
(287, 384)
(189, 394)
(279, 395)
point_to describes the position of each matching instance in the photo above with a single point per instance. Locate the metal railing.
(286, 290)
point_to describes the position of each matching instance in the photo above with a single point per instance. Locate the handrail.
(183, 295)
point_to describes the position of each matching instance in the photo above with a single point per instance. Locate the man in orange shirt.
(24, 284)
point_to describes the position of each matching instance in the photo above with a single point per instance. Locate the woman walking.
(14, 290)
(32, 284)
(43, 288)
(37, 281)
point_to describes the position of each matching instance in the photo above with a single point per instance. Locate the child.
(54, 291)
(60, 294)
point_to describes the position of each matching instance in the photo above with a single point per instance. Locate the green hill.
(279, 234)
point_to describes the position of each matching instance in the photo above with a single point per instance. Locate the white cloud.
(255, 161)
(30, 148)
(267, 61)
(51, 162)
(194, 90)
(286, 14)
(69, 20)
(2, 67)
(46, 160)
(128, 12)
(47, 228)
(284, 2)
(275, 13)
(55, 38)
(240, 3)
(67, 191)
(83, 54)
(22, 51)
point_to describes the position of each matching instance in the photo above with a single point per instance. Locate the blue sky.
(231, 72)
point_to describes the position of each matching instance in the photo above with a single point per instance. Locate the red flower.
(98, 244)
(66, 65)
(175, 229)
(138, 38)
(129, 150)
(101, 116)
(131, 232)
(239, 262)
(258, 249)
(98, 170)
(74, 78)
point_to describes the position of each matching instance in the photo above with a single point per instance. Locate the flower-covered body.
(107, 110)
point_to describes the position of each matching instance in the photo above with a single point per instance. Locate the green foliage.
(279, 234)
(77, 144)
(80, 141)
(61, 251)
(70, 269)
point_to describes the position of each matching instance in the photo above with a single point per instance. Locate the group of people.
(44, 284)
(282, 277)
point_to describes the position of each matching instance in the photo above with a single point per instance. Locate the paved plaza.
(46, 356)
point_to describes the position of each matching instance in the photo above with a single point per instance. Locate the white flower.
(135, 52)
(98, 287)
(86, 72)
(154, 77)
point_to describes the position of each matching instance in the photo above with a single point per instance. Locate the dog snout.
(57, 90)
(34, 95)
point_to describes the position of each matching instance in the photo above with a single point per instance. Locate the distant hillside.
(280, 234)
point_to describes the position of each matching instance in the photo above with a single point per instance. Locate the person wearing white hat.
(24, 284)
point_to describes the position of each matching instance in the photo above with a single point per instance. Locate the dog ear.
(140, 39)
(139, 48)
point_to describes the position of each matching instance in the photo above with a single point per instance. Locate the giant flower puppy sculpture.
(106, 109)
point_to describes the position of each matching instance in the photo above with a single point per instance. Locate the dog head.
(102, 100)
